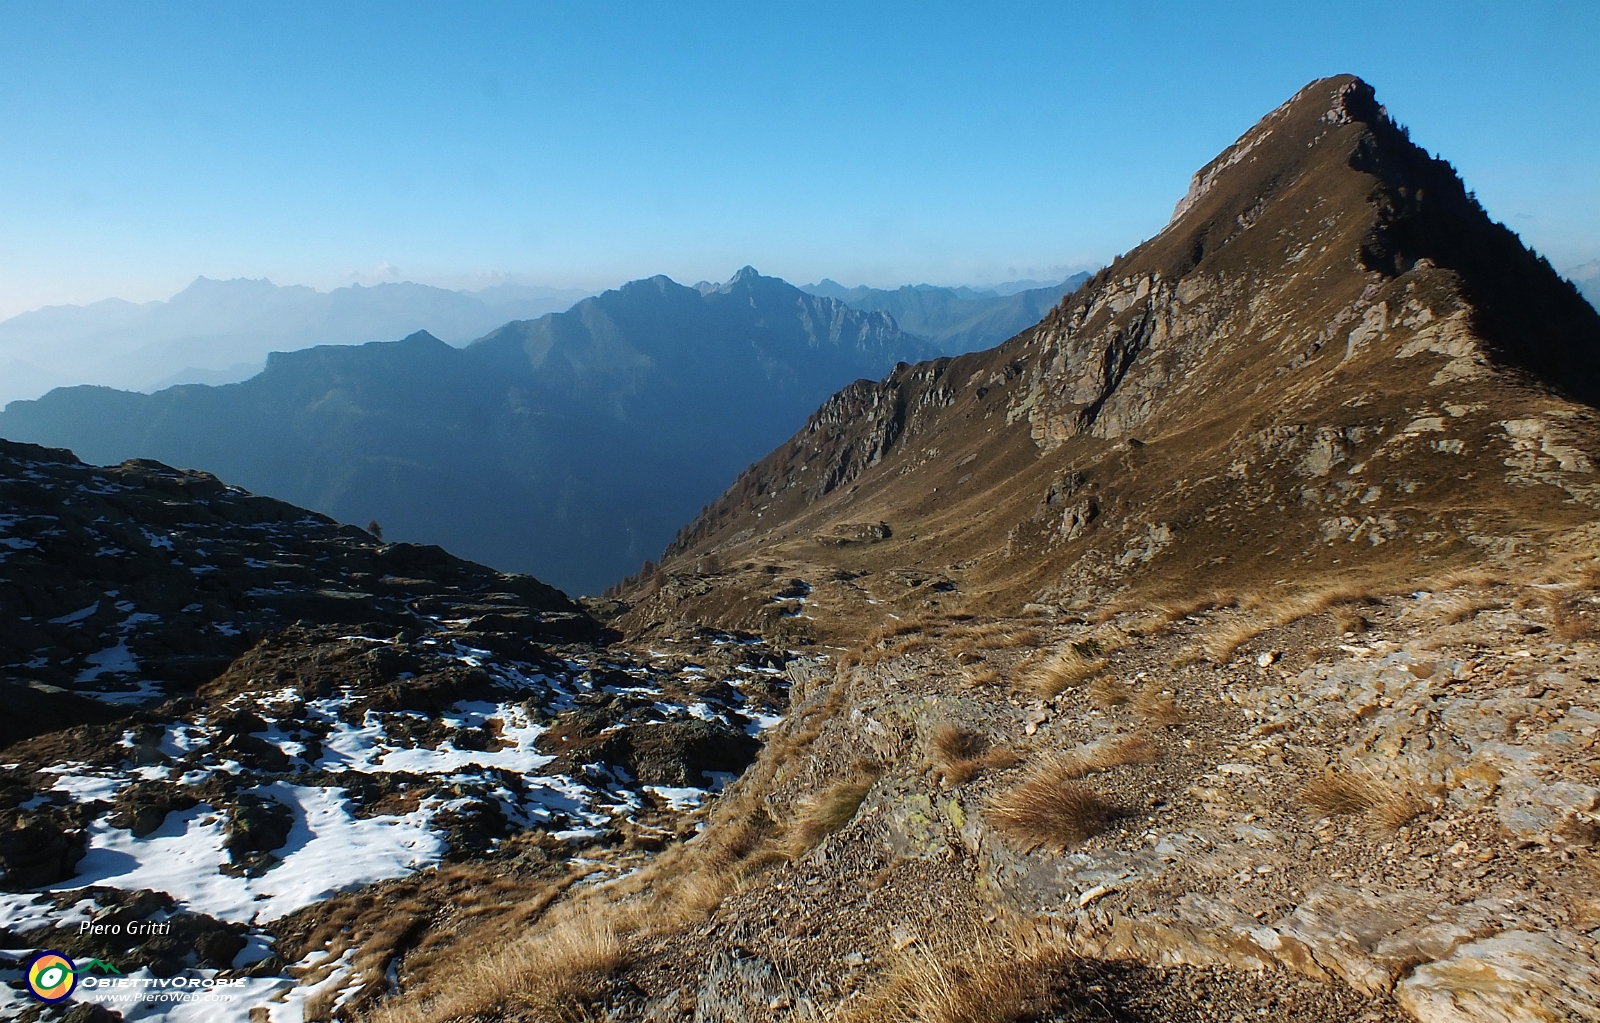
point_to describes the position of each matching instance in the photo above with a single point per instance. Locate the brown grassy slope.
(1308, 373)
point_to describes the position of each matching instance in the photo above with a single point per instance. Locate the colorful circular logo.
(51, 976)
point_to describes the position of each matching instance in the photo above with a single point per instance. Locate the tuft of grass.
(832, 810)
(960, 755)
(1050, 807)
(1361, 793)
(1120, 750)
(1157, 707)
(1221, 645)
(1108, 691)
(950, 743)
(1067, 669)
(981, 677)
(557, 973)
(1011, 639)
(982, 984)
(1456, 610)
(1349, 620)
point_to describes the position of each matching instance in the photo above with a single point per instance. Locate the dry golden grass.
(981, 677)
(555, 964)
(1361, 793)
(1116, 751)
(1574, 623)
(960, 755)
(555, 974)
(1050, 807)
(1065, 670)
(1270, 613)
(1108, 691)
(906, 645)
(832, 810)
(1477, 578)
(1174, 611)
(951, 743)
(979, 983)
(1349, 620)
(1221, 645)
(1008, 640)
(1156, 707)
(1455, 610)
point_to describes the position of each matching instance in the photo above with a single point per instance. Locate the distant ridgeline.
(957, 320)
(572, 446)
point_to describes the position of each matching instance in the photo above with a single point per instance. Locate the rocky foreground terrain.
(1222, 648)
(225, 711)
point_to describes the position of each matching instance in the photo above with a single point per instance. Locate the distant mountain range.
(957, 320)
(221, 331)
(571, 446)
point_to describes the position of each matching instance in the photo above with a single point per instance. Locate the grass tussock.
(1349, 621)
(1108, 691)
(960, 755)
(981, 677)
(1010, 639)
(1050, 807)
(982, 984)
(1462, 578)
(1221, 645)
(1067, 669)
(832, 810)
(1387, 805)
(1157, 707)
(1460, 609)
(556, 974)
(1117, 751)
(1343, 600)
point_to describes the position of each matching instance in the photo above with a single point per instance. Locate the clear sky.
(585, 144)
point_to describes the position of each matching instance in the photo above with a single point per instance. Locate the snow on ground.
(366, 748)
(329, 850)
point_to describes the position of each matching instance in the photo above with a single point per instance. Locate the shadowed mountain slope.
(1330, 360)
(572, 445)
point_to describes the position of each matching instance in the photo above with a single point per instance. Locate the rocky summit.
(1226, 646)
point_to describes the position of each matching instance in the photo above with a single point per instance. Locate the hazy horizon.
(586, 147)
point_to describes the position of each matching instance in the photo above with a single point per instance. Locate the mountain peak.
(1324, 278)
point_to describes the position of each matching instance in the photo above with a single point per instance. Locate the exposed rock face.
(1331, 348)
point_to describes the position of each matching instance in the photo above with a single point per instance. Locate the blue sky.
(586, 144)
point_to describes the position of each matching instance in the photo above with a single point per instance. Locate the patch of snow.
(328, 850)
(85, 788)
(679, 798)
(76, 616)
(760, 722)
